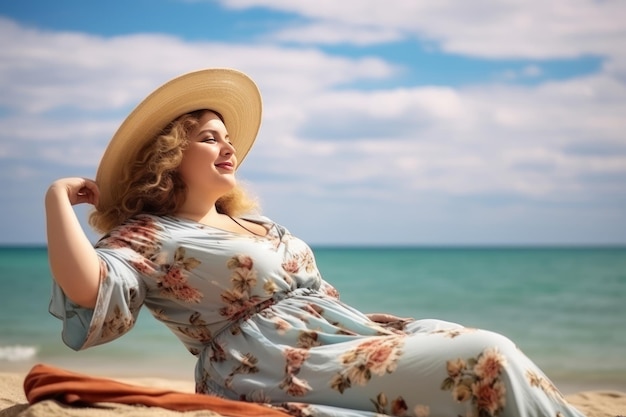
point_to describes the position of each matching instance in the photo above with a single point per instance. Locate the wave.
(17, 353)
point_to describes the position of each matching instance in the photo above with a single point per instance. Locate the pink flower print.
(490, 397)
(490, 364)
(143, 266)
(187, 294)
(173, 278)
(240, 261)
(281, 325)
(329, 290)
(294, 359)
(173, 283)
(478, 380)
(245, 262)
(382, 358)
(292, 266)
(375, 356)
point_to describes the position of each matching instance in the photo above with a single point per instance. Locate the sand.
(601, 403)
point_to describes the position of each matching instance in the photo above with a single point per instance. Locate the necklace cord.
(244, 227)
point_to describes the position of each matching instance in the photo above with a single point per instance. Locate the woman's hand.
(390, 321)
(386, 318)
(78, 190)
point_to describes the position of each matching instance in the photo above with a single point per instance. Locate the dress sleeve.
(120, 298)
(126, 255)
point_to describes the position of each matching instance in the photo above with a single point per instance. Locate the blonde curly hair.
(151, 183)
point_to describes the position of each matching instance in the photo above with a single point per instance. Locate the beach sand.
(601, 403)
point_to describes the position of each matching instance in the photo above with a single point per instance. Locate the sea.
(564, 307)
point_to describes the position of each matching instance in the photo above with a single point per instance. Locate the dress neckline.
(268, 225)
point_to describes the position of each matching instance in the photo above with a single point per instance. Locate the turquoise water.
(564, 307)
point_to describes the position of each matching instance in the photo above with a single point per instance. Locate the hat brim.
(227, 91)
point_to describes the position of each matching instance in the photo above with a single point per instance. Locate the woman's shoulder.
(138, 230)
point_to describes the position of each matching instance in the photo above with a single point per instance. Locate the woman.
(242, 293)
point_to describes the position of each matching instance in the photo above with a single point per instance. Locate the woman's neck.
(201, 215)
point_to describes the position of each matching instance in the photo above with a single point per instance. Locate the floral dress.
(265, 327)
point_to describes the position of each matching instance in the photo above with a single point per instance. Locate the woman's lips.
(225, 165)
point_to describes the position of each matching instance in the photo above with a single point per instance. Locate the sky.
(398, 122)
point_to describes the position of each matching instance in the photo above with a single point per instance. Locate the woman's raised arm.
(73, 260)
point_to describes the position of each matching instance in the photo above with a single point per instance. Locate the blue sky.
(394, 123)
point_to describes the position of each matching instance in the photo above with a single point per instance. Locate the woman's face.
(209, 162)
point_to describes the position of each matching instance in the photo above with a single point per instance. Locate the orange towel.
(47, 382)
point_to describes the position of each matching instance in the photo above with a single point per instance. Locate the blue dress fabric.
(265, 327)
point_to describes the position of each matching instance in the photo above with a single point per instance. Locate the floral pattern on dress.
(478, 381)
(239, 303)
(291, 383)
(329, 290)
(452, 333)
(197, 330)
(375, 356)
(247, 365)
(117, 323)
(174, 282)
(140, 235)
(537, 381)
(267, 328)
(301, 260)
(298, 409)
(397, 407)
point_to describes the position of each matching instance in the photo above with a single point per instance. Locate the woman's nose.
(228, 149)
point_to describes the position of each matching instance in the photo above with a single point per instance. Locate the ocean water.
(564, 307)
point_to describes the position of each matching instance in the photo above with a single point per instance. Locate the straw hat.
(229, 92)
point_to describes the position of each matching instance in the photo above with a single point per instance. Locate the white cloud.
(479, 139)
(73, 89)
(485, 28)
(335, 32)
(323, 140)
(458, 140)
